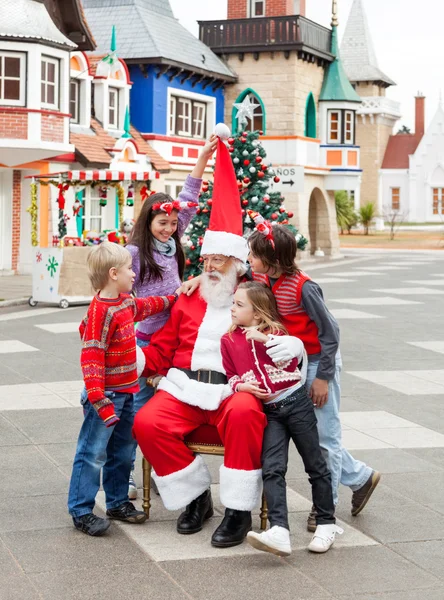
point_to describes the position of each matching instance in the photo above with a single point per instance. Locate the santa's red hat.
(224, 233)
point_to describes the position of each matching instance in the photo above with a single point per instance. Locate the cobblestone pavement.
(390, 309)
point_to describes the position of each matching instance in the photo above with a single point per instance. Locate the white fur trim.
(240, 490)
(196, 393)
(140, 360)
(227, 244)
(182, 487)
(206, 352)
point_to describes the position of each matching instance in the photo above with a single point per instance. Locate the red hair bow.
(262, 225)
(168, 207)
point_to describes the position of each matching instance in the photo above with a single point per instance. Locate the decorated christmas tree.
(254, 175)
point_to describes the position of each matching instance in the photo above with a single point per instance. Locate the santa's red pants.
(160, 428)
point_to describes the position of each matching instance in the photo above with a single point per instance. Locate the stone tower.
(377, 114)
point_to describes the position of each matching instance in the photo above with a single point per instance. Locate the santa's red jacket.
(190, 339)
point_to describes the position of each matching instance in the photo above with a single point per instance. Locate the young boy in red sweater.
(109, 365)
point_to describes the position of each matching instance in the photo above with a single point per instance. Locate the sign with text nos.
(291, 179)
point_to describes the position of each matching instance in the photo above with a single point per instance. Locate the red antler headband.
(168, 207)
(263, 226)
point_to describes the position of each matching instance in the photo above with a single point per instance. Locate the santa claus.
(195, 392)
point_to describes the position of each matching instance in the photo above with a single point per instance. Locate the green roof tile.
(336, 86)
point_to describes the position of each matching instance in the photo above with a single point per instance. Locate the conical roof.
(357, 50)
(336, 86)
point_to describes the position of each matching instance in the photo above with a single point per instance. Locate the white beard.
(219, 293)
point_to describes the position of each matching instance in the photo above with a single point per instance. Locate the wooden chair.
(204, 440)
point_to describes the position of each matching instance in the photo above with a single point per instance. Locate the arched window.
(248, 98)
(310, 117)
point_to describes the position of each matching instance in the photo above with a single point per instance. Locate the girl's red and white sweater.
(247, 361)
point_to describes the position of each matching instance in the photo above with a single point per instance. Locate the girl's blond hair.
(264, 304)
(101, 259)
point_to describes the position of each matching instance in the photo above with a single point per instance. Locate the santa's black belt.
(206, 376)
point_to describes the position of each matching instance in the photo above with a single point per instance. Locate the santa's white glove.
(284, 348)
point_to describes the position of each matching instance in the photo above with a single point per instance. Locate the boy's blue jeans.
(98, 448)
(141, 398)
(343, 467)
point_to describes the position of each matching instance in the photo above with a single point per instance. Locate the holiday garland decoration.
(121, 200)
(254, 175)
(33, 211)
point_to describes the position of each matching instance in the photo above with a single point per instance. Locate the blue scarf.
(167, 248)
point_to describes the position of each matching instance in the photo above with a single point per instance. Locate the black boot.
(198, 511)
(233, 529)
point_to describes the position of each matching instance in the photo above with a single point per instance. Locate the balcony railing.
(372, 105)
(266, 33)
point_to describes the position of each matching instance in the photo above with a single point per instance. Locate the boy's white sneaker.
(132, 487)
(275, 540)
(324, 537)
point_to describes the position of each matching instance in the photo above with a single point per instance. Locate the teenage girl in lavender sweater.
(158, 258)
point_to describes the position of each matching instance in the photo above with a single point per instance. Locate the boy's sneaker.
(127, 512)
(91, 524)
(276, 541)
(132, 488)
(311, 520)
(324, 538)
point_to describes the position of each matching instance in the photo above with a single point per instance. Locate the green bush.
(346, 217)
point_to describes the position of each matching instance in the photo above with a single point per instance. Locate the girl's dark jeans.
(294, 418)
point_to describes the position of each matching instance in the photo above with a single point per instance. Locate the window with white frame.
(50, 82)
(113, 108)
(12, 78)
(188, 117)
(173, 189)
(341, 127)
(334, 126)
(349, 127)
(438, 201)
(92, 211)
(257, 8)
(396, 197)
(74, 100)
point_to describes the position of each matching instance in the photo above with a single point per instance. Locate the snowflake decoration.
(51, 266)
(39, 257)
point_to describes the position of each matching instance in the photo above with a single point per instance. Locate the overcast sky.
(407, 35)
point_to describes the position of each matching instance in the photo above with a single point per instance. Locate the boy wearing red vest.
(304, 314)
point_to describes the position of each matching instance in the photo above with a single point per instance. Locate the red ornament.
(282, 209)
(198, 211)
(205, 210)
(246, 162)
(276, 179)
(200, 259)
(284, 222)
(204, 182)
(261, 132)
(239, 184)
(274, 216)
(231, 149)
(200, 241)
(244, 202)
(243, 212)
(243, 140)
(260, 174)
(264, 167)
(190, 276)
(266, 199)
(258, 159)
(290, 215)
(188, 262)
(246, 180)
(193, 247)
(209, 202)
(205, 188)
(231, 141)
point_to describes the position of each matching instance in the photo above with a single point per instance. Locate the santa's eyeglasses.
(215, 261)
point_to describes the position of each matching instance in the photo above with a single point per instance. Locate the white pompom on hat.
(222, 131)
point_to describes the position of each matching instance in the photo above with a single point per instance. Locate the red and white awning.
(105, 175)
